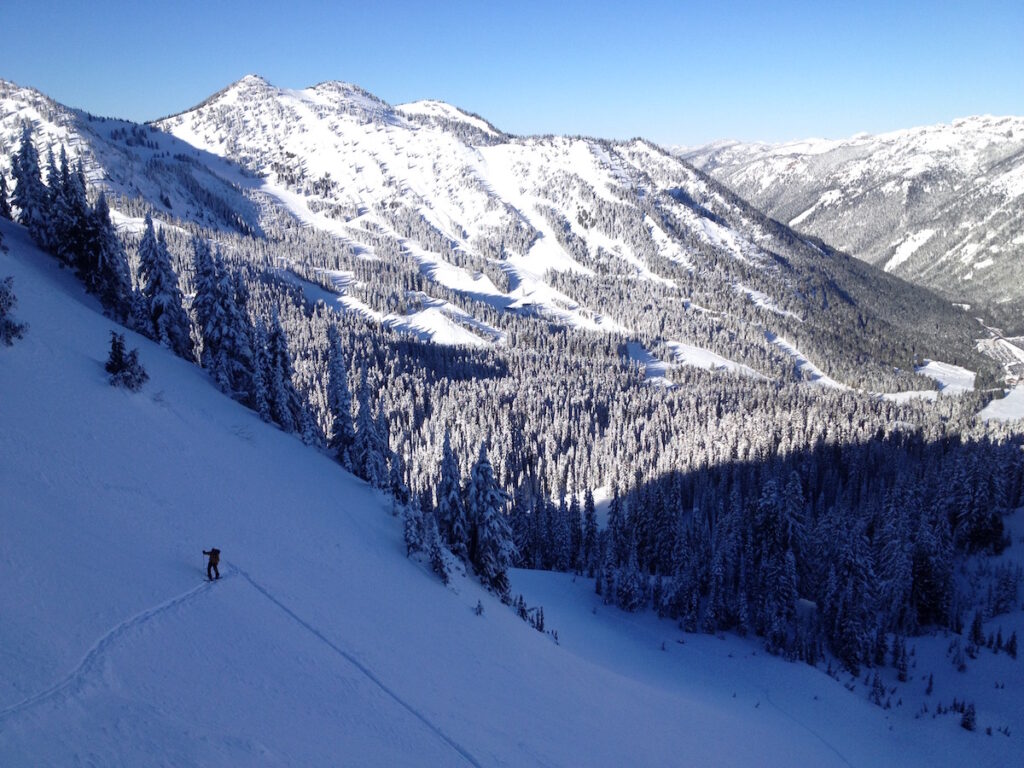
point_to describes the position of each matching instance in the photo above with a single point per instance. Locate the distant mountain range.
(473, 231)
(940, 206)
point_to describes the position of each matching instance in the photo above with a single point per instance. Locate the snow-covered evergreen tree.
(259, 395)
(5, 201)
(208, 310)
(30, 195)
(451, 511)
(341, 431)
(589, 545)
(369, 451)
(412, 528)
(70, 217)
(103, 264)
(282, 398)
(9, 328)
(397, 486)
(124, 367)
(491, 550)
(163, 317)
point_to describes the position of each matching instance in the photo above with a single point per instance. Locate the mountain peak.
(253, 80)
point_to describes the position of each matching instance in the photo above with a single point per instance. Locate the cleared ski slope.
(323, 645)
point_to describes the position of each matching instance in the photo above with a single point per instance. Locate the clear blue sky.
(676, 72)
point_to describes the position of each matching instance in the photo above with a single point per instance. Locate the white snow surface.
(951, 378)
(323, 644)
(809, 370)
(656, 370)
(1006, 408)
(906, 248)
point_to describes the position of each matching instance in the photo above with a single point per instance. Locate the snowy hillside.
(131, 162)
(322, 644)
(938, 205)
(429, 220)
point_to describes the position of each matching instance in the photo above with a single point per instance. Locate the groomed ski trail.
(76, 678)
(462, 751)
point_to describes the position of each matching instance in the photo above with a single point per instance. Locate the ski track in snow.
(806, 727)
(74, 681)
(361, 667)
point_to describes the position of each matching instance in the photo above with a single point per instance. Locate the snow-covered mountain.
(133, 163)
(551, 223)
(938, 205)
(431, 220)
(322, 644)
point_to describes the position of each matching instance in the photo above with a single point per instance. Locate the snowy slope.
(548, 224)
(939, 205)
(322, 644)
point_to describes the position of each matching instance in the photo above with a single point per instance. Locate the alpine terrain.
(938, 205)
(536, 450)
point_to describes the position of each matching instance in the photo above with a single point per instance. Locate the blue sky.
(676, 72)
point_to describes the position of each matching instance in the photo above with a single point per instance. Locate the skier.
(211, 567)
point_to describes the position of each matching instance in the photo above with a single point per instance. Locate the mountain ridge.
(934, 204)
(490, 226)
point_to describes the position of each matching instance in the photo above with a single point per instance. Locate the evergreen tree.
(124, 367)
(208, 307)
(451, 511)
(630, 593)
(5, 203)
(432, 545)
(70, 217)
(30, 196)
(396, 479)
(341, 431)
(618, 540)
(259, 396)
(412, 528)
(103, 264)
(575, 522)
(9, 328)
(969, 720)
(369, 451)
(590, 553)
(163, 316)
(283, 399)
(490, 550)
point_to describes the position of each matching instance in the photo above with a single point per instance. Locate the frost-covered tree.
(412, 528)
(30, 196)
(589, 546)
(161, 314)
(259, 395)
(341, 431)
(69, 216)
(208, 309)
(282, 398)
(369, 451)
(9, 328)
(491, 550)
(103, 263)
(451, 510)
(124, 367)
(5, 202)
